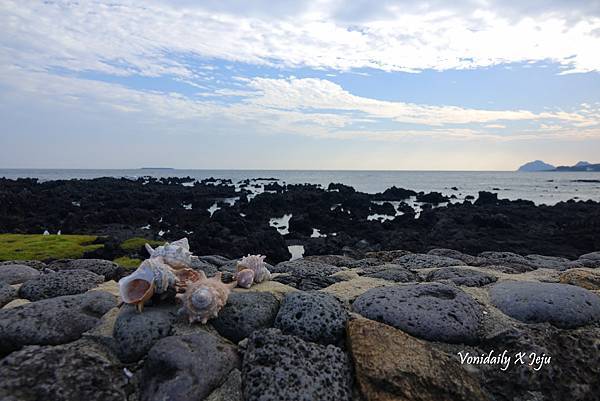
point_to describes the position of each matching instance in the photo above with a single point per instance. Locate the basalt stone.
(565, 306)
(17, 274)
(462, 276)
(52, 321)
(515, 262)
(208, 268)
(387, 256)
(244, 313)
(7, 294)
(283, 367)
(135, 333)
(392, 272)
(110, 270)
(82, 370)
(335, 260)
(36, 264)
(549, 262)
(313, 316)
(306, 275)
(216, 260)
(433, 311)
(186, 367)
(425, 261)
(451, 253)
(591, 260)
(67, 282)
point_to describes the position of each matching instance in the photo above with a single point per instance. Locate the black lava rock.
(461, 276)
(68, 282)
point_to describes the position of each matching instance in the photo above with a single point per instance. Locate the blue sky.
(441, 85)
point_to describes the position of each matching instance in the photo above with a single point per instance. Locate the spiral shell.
(176, 254)
(152, 277)
(256, 264)
(205, 297)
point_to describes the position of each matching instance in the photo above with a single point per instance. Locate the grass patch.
(45, 247)
(127, 262)
(136, 243)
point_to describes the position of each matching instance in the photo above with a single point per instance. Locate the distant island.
(539, 165)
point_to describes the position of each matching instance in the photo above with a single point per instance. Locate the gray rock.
(186, 367)
(110, 270)
(208, 268)
(230, 390)
(306, 275)
(7, 293)
(433, 311)
(36, 264)
(282, 367)
(424, 261)
(387, 256)
(591, 260)
(216, 260)
(391, 272)
(562, 305)
(52, 321)
(335, 260)
(244, 313)
(549, 262)
(461, 276)
(516, 263)
(363, 263)
(451, 253)
(313, 316)
(68, 282)
(17, 274)
(78, 371)
(135, 333)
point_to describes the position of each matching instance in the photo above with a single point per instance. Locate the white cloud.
(154, 38)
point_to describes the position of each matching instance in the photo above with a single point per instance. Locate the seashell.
(176, 254)
(255, 263)
(152, 277)
(204, 298)
(245, 278)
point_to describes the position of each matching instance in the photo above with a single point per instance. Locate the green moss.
(127, 262)
(45, 247)
(136, 243)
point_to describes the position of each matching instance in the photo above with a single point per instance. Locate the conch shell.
(204, 298)
(152, 277)
(176, 254)
(251, 269)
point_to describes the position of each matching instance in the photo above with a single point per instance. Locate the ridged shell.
(176, 254)
(256, 263)
(152, 277)
(204, 298)
(245, 278)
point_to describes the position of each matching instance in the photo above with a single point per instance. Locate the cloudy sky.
(327, 84)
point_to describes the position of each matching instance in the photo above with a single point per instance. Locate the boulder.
(230, 390)
(186, 367)
(52, 321)
(392, 365)
(565, 306)
(313, 316)
(451, 253)
(348, 291)
(391, 272)
(36, 264)
(135, 333)
(110, 270)
(68, 282)
(591, 260)
(424, 261)
(244, 313)
(82, 370)
(590, 280)
(433, 311)
(282, 367)
(7, 293)
(306, 275)
(462, 276)
(17, 274)
(516, 263)
(548, 262)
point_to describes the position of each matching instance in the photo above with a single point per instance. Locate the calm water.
(542, 188)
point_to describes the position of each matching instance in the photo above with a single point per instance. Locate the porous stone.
(36, 264)
(313, 316)
(208, 268)
(109, 270)
(565, 306)
(451, 253)
(186, 367)
(424, 261)
(516, 263)
(590, 280)
(391, 272)
(68, 282)
(348, 291)
(392, 365)
(433, 311)
(548, 262)
(244, 313)
(283, 367)
(82, 370)
(591, 260)
(7, 293)
(230, 390)
(16, 274)
(135, 333)
(52, 321)
(306, 275)
(387, 256)
(462, 276)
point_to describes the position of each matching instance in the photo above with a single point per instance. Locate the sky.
(292, 84)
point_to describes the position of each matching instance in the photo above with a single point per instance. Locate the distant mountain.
(536, 165)
(581, 166)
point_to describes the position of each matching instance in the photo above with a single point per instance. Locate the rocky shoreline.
(262, 216)
(392, 325)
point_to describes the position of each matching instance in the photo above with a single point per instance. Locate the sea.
(540, 187)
